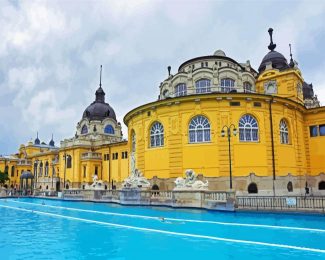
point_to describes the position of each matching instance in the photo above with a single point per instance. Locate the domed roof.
(99, 110)
(219, 53)
(277, 60)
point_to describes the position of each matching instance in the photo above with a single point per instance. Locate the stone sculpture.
(190, 182)
(136, 180)
(96, 185)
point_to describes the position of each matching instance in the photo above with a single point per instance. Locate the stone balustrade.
(193, 199)
(91, 155)
(24, 162)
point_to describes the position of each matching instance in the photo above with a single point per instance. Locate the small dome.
(26, 175)
(219, 53)
(308, 91)
(277, 59)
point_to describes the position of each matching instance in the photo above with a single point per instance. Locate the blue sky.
(50, 53)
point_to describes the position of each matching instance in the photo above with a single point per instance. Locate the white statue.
(96, 185)
(136, 180)
(190, 182)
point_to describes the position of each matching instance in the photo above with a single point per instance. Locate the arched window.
(69, 161)
(227, 85)
(109, 129)
(6, 169)
(84, 130)
(12, 171)
(284, 132)
(290, 186)
(252, 188)
(46, 171)
(35, 168)
(248, 88)
(180, 90)
(41, 169)
(199, 130)
(248, 129)
(203, 86)
(321, 185)
(156, 135)
(67, 186)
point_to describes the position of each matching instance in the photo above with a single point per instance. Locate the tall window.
(12, 171)
(203, 86)
(157, 135)
(69, 161)
(284, 132)
(199, 130)
(84, 129)
(46, 171)
(41, 169)
(85, 174)
(248, 129)
(227, 85)
(109, 129)
(248, 88)
(35, 168)
(180, 90)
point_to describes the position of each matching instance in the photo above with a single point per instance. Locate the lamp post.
(223, 134)
(65, 168)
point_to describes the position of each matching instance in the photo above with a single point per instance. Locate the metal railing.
(314, 203)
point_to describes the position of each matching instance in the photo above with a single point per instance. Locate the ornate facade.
(276, 133)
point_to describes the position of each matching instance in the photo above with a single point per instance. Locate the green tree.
(3, 177)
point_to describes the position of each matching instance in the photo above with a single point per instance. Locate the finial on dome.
(100, 76)
(272, 45)
(169, 68)
(291, 64)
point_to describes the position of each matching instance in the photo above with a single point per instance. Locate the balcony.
(24, 162)
(91, 156)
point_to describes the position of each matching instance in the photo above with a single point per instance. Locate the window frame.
(226, 88)
(243, 129)
(156, 135)
(284, 132)
(180, 90)
(201, 88)
(202, 134)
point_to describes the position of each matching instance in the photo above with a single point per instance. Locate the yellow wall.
(211, 159)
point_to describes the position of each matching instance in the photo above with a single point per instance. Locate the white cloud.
(51, 51)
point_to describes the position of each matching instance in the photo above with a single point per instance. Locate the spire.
(37, 141)
(51, 143)
(100, 94)
(272, 45)
(291, 64)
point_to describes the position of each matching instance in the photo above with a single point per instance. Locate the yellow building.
(275, 125)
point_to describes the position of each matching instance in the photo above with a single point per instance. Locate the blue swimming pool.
(54, 229)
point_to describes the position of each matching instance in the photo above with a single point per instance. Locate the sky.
(51, 52)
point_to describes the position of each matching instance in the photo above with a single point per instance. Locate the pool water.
(55, 229)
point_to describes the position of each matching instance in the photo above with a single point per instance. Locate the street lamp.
(223, 134)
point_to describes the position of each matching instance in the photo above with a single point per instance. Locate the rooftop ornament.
(272, 45)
